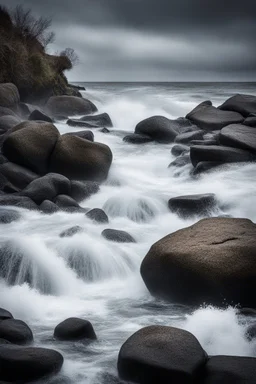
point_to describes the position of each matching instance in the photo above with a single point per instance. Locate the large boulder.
(159, 128)
(8, 122)
(80, 159)
(4, 314)
(97, 215)
(186, 206)
(9, 95)
(186, 138)
(239, 136)
(244, 104)
(102, 120)
(38, 115)
(69, 105)
(221, 154)
(47, 187)
(31, 145)
(117, 236)
(207, 117)
(18, 201)
(159, 354)
(74, 329)
(87, 135)
(48, 207)
(7, 216)
(26, 364)
(136, 138)
(230, 369)
(15, 331)
(7, 112)
(213, 261)
(82, 190)
(19, 176)
(250, 121)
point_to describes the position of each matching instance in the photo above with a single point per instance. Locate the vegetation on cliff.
(24, 60)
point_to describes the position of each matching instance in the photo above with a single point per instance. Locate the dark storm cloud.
(155, 39)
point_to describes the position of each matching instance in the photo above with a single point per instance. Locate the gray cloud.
(157, 40)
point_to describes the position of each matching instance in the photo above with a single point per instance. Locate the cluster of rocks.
(41, 169)
(161, 354)
(21, 362)
(208, 136)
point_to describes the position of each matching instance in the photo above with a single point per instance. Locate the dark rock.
(250, 121)
(81, 159)
(31, 145)
(7, 112)
(205, 166)
(117, 236)
(86, 135)
(7, 216)
(221, 154)
(17, 175)
(239, 136)
(136, 138)
(180, 161)
(71, 231)
(186, 138)
(15, 331)
(18, 201)
(4, 315)
(159, 354)
(64, 201)
(186, 206)
(251, 332)
(207, 117)
(4, 342)
(102, 120)
(47, 187)
(8, 122)
(38, 115)
(215, 135)
(97, 215)
(244, 104)
(247, 312)
(79, 123)
(79, 87)
(24, 364)
(204, 142)
(69, 105)
(9, 95)
(159, 128)
(104, 130)
(82, 190)
(48, 207)
(230, 369)
(74, 329)
(215, 256)
(179, 149)
(183, 125)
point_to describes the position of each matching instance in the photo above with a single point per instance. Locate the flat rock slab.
(230, 369)
(239, 136)
(159, 354)
(186, 206)
(212, 262)
(216, 153)
(244, 104)
(207, 117)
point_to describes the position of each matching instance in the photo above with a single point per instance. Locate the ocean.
(87, 276)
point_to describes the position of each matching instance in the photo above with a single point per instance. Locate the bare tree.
(71, 55)
(32, 28)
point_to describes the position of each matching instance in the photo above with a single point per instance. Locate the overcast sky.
(154, 40)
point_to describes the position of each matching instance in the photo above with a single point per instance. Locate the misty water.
(89, 277)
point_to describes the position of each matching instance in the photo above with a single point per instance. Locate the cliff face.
(25, 62)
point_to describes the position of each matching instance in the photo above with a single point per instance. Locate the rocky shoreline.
(211, 262)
